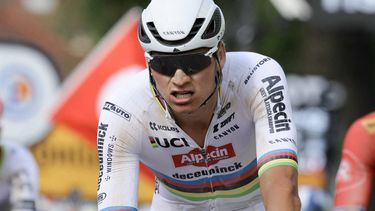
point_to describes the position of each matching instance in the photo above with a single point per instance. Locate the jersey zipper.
(204, 154)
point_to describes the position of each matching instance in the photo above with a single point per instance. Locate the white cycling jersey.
(19, 185)
(251, 131)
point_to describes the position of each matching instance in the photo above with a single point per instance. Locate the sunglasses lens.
(165, 66)
(190, 63)
(195, 63)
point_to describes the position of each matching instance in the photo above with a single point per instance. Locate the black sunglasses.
(190, 63)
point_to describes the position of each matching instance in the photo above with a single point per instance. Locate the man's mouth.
(181, 95)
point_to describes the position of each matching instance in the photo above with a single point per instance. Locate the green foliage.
(92, 18)
(277, 37)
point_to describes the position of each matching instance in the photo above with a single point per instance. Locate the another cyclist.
(19, 182)
(354, 180)
(216, 128)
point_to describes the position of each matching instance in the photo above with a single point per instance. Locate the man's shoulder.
(246, 55)
(128, 95)
(250, 66)
(127, 86)
(249, 60)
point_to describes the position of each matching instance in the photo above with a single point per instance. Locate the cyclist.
(19, 186)
(216, 128)
(355, 174)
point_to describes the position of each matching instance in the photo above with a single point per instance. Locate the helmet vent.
(152, 28)
(213, 27)
(194, 30)
(142, 34)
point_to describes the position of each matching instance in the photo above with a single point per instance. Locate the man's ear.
(221, 53)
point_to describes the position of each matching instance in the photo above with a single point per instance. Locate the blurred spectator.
(19, 182)
(313, 98)
(355, 174)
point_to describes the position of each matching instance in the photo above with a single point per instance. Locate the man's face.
(185, 90)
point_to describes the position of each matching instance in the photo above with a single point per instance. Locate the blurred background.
(57, 59)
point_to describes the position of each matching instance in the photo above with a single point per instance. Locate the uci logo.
(166, 143)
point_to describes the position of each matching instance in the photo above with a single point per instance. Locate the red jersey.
(355, 173)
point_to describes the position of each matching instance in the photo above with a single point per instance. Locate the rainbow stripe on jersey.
(119, 208)
(281, 157)
(232, 185)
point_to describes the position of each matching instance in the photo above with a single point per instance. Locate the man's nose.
(180, 77)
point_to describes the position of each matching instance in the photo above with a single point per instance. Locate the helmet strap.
(218, 78)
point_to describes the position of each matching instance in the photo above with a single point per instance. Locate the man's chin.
(183, 109)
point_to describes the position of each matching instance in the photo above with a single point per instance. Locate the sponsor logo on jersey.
(282, 140)
(212, 171)
(166, 143)
(226, 132)
(102, 131)
(117, 110)
(223, 123)
(273, 96)
(208, 157)
(157, 127)
(101, 197)
(109, 157)
(262, 62)
(224, 110)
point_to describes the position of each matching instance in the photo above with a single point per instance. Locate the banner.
(76, 115)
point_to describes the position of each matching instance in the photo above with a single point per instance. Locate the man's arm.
(279, 189)
(276, 139)
(118, 162)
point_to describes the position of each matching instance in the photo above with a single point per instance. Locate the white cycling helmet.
(171, 26)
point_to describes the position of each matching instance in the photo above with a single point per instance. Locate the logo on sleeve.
(254, 69)
(117, 110)
(208, 157)
(273, 96)
(101, 197)
(102, 132)
(282, 140)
